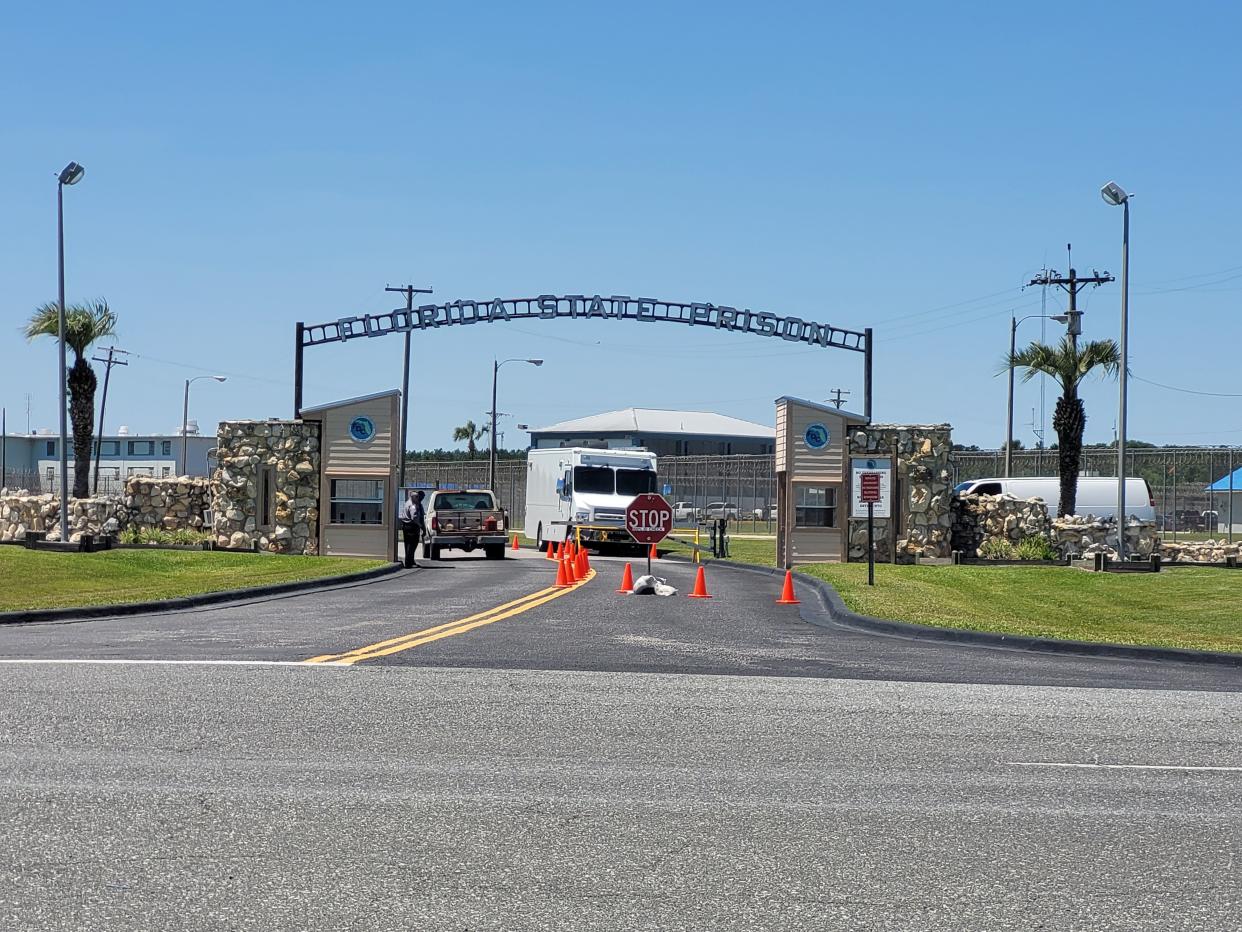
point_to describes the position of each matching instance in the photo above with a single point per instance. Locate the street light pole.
(491, 463)
(1013, 333)
(1114, 194)
(185, 420)
(70, 174)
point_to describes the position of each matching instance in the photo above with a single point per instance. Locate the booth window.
(357, 501)
(815, 506)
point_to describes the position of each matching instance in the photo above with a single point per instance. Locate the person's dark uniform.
(412, 517)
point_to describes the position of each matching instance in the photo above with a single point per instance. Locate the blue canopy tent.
(1229, 503)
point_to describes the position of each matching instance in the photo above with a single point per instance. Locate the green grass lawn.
(32, 579)
(1193, 608)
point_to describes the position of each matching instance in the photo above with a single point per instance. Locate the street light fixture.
(70, 174)
(491, 463)
(1013, 333)
(185, 420)
(1116, 196)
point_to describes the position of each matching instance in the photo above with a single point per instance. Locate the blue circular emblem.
(362, 429)
(817, 436)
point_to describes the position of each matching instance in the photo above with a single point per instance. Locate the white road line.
(1024, 763)
(189, 663)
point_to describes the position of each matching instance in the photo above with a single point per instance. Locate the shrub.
(1036, 547)
(151, 535)
(996, 548)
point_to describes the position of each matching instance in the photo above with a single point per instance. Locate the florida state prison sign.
(613, 307)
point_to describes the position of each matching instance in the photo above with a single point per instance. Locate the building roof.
(351, 401)
(660, 421)
(1222, 484)
(831, 409)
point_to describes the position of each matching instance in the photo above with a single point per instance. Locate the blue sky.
(903, 166)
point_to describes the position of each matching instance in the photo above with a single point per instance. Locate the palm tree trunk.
(1070, 422)
(82, 384)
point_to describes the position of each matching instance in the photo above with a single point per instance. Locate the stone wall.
(244, 449)
(925, 483)
(165, 504)
(978, 518)
(1207, 551)
(172, 504)
(21, 512)
(1086, 535)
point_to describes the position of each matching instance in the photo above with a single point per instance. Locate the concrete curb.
(838, 612)
(84, 612)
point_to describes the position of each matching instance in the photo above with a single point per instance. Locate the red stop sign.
(649, 518)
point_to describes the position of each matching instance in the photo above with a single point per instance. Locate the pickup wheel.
(495, 551)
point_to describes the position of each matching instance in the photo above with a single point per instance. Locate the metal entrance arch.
(552, 307)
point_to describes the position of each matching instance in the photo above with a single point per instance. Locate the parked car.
(764, 513)
(465, 519)
(721, 510)
(685, 511)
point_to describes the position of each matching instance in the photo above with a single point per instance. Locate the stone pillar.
(289, 453)
(922, 470)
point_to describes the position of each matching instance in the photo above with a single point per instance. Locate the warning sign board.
(873, 483)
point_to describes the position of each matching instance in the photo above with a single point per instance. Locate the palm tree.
(1069, 364)
(469, 433)
(84, 324)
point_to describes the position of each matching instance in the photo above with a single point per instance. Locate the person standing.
(412, 517)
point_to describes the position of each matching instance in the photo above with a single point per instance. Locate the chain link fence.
(744, 487)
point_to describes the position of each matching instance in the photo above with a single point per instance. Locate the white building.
(664, 432)
(34, 459)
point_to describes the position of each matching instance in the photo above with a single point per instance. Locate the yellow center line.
(461, 626)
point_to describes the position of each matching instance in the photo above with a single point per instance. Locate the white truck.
(576, 490)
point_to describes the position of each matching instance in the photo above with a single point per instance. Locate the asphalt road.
(737, 632)
(586, 760)
(242, 797)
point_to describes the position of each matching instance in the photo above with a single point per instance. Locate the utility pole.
(1072, 285)
(837, 400)
(108, 362)
(409, 291)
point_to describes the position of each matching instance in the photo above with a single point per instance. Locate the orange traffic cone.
(627, 581)
(653, 553)
(515, 544)
(700, 586)
(571, 574)
(560, 551)
(551, 550)
(584, 563)
(787, 594)
(562, 581)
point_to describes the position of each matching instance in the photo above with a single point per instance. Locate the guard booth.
(812, 472)
(359, 464)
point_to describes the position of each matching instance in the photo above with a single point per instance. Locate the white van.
(1097, 495)
(575, 490)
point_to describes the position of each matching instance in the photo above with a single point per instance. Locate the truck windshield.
(596, 479)
(635, 481)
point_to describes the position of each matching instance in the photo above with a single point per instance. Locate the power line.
(1188, 391)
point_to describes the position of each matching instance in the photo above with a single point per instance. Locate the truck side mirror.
(560, 487)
